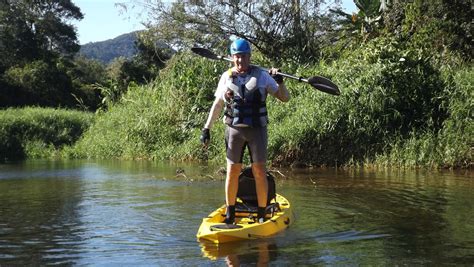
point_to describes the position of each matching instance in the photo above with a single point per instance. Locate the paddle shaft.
(300, 79)
(320, 83)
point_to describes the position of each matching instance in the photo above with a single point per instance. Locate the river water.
(108, 213)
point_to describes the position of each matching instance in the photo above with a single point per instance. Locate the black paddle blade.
(324, 85)
(203, 52)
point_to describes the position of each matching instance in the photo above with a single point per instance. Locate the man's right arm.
(213, 115)
(215, 112)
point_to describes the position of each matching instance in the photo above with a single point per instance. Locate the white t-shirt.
(265, 82)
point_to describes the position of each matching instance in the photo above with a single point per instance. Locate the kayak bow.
(279, 217)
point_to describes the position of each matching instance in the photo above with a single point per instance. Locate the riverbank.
(406, 113)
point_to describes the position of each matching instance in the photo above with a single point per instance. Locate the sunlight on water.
(142, 213)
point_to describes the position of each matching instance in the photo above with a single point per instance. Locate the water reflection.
(410, 209)
(293, 248)
(39, 220)
(142, 213)
(255, 252)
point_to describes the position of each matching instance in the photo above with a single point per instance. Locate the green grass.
(452, 145)
(39, 132)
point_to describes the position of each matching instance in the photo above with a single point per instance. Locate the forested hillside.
(107, 51)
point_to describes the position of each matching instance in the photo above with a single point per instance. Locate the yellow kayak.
(279, 217)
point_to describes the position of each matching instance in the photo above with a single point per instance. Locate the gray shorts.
(237, 138)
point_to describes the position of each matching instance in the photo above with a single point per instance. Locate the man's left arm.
(282, 94)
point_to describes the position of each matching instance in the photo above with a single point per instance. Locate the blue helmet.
(240, 46)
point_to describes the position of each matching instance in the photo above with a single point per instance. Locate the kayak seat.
(244, 208)
(247, 191)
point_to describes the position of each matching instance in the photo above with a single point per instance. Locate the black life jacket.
(247, 107)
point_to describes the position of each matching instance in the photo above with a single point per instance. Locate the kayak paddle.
(321, 83)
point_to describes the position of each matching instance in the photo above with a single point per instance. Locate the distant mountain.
(106, 51)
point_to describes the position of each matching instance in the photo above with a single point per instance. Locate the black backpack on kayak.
(247, 191)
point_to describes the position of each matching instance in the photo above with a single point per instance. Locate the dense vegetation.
(35, 47)
(40, 132)
(406, 79)
(391, 112)
(40, 64)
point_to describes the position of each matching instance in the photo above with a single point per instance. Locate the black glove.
(205, 136)
(277, 77)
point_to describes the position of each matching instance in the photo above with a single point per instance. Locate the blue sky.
(103, 20)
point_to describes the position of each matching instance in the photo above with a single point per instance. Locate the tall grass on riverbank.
(161, 120)
(453, 144)
(39, 132)
(396, 109)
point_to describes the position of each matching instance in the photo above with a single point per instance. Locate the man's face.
(241, 62)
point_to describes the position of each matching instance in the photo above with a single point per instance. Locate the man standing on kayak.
(242, 92)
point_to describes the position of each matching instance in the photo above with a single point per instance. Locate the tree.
(439, 25)
(35, 40)
(278, 29)
(32, 30)
(17, 41)
(413, 21)
(363, 25)
(152, 52)
(88, 76)
(40, 83)
(140, 69)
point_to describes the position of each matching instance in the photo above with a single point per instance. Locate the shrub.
(40, 83)
(39, 132)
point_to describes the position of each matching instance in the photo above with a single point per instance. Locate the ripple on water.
(118, 215)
